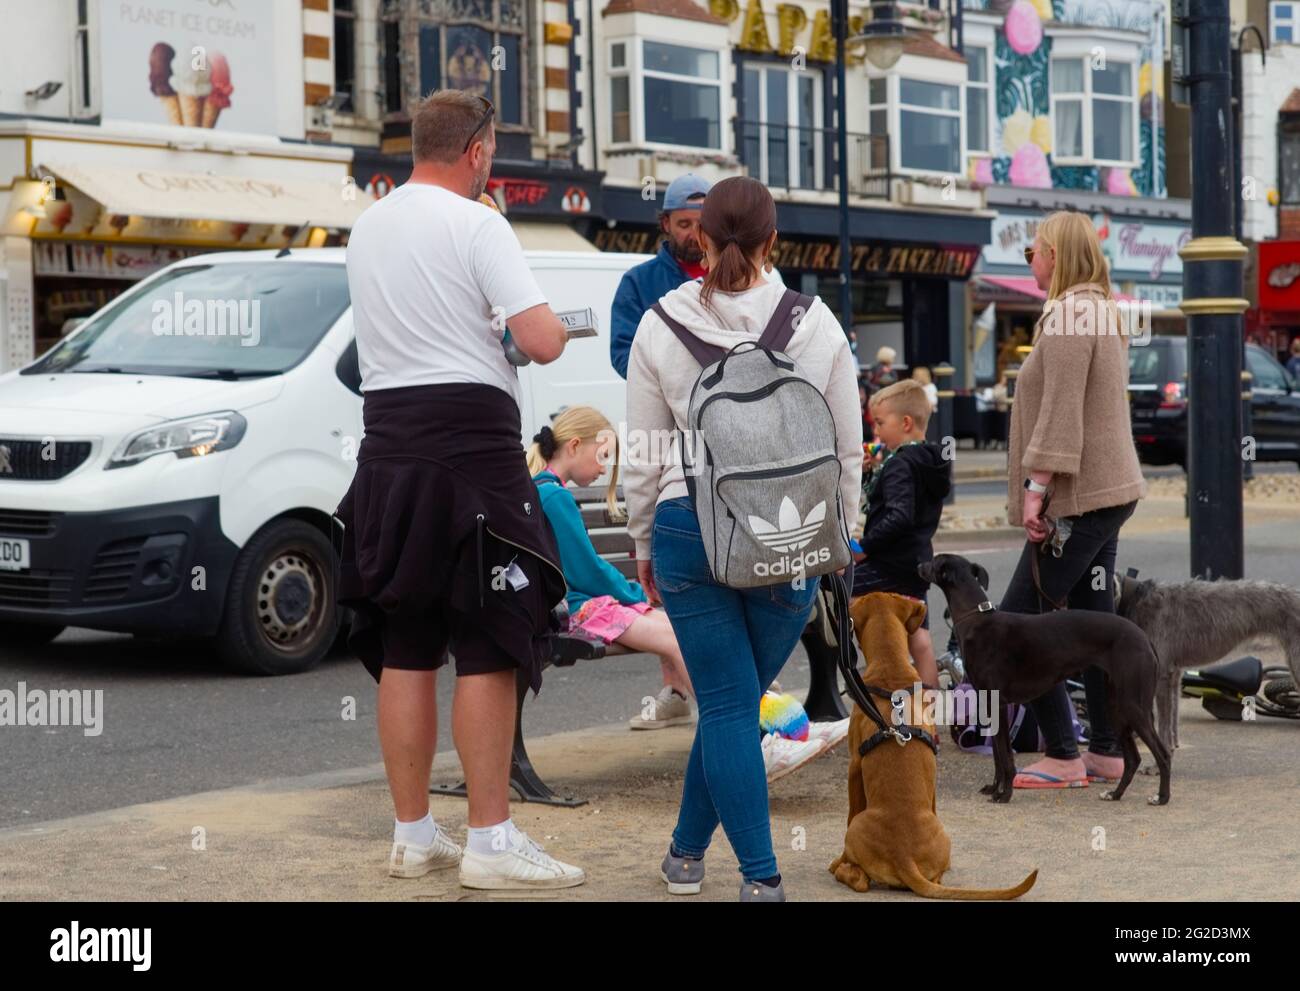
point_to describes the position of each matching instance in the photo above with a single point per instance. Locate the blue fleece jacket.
(588, 574)
(642, 286)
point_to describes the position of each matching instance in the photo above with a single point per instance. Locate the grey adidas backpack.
(760, 459)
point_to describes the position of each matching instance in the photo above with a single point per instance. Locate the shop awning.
(232, 199)
(540, 236)
(1022, 285)
(1019, 284)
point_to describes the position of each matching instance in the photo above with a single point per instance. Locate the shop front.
(908, 268)
(549, 206)
(89, 211)
(1275, 322)
(1145, 271)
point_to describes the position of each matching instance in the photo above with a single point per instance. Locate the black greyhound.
(1022, 656)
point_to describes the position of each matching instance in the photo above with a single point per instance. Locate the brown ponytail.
(739, 216)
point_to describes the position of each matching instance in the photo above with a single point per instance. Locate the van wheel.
(27, 634)
(280, 613)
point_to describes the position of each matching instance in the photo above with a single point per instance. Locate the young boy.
(904, 500)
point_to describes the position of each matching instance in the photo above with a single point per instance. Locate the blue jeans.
(734, 642)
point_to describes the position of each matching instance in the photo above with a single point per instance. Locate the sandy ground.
(1228, 833)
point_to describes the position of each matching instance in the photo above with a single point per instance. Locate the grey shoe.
(684, 875)
(761, 892)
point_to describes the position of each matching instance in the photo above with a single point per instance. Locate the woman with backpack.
(735, 640)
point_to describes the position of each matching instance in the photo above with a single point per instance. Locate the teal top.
(588, 574)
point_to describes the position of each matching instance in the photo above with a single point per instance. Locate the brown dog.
(894, 837)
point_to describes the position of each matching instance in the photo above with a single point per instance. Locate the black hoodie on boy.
(903, 512)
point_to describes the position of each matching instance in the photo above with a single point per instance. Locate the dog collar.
(985, 606)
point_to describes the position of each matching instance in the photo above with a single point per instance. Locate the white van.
(182, 485)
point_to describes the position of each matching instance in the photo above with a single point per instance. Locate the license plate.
(15, 554)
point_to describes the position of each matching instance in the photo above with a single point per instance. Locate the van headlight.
(193, 437)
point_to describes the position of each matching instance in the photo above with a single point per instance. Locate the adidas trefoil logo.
(791, 533)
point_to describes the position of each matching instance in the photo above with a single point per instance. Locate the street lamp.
(883, 36)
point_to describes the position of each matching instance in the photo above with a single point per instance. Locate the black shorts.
(423, 642)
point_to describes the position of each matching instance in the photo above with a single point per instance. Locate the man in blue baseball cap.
(679, 260)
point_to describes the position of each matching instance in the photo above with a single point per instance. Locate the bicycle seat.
(1242, 676)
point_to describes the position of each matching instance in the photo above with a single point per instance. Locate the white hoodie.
(661, 373)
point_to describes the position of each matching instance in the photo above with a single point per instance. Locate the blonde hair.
(886, 355)
(906, 397)
(922, 375)
(1077, 247)
(586, 423)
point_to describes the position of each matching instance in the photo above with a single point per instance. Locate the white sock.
(490, 840)
(418, 833)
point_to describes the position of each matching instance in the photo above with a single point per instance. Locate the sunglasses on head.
(487, 116)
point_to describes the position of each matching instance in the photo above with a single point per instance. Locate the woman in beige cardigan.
(1071, 438)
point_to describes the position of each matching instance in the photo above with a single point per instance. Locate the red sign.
(1279, 276)
(520, 191)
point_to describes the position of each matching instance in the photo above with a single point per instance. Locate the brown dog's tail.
(925, 887)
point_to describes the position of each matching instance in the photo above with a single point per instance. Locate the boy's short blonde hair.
(907, 398)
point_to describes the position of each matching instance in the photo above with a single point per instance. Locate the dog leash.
(860, 691)
(1053, 529)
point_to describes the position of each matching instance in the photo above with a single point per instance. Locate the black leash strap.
(858, 689)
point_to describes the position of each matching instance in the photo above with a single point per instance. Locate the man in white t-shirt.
(443, 551)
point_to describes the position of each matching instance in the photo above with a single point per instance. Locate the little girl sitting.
(602, 603)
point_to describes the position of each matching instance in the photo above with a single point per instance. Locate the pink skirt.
(605, 618)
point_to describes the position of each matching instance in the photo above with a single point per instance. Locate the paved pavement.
(179, 729)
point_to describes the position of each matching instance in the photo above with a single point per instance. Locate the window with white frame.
(929, 126)
(1284, 22)
(780, 133)
(979, 97)
(663, 93)
(1094, 109)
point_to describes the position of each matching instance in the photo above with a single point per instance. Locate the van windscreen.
(226, 320)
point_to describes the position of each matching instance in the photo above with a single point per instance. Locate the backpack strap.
(779, 330)
(705, 354)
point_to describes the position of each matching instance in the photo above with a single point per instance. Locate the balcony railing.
(786, 156)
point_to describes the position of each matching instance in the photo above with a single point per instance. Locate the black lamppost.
(882, 38)
(1213, 303)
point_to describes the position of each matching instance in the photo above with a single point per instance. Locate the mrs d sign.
(795, 31)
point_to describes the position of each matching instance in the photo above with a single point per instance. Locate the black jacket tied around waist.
(441, 497)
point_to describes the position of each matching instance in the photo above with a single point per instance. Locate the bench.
(612, 542)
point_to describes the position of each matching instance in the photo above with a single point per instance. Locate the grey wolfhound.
(1196, 623)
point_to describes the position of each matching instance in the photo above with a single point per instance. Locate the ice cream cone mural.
(192, 86)
(160, 71)
(219, 98)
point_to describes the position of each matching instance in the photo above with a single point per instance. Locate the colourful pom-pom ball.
(782, 715)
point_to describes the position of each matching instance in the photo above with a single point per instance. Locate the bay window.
(665, 93)
(929, 126)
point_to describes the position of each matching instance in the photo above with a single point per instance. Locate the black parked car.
(1157, 390)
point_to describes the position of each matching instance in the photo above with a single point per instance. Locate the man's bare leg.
(483, 726)
(408, 736)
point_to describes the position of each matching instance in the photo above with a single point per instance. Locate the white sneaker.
(409, 860)
(524, 866)
(781, 756)
(667, 709)
(831, 733)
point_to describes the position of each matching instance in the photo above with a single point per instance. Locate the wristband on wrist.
(1033, 486)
